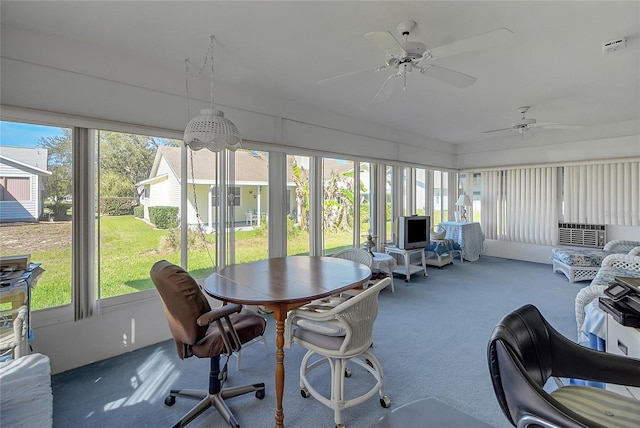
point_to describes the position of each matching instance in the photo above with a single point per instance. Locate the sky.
(25, 135)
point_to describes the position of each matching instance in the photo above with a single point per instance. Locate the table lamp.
(463, 202)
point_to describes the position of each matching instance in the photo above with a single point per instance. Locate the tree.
(301, 180)
(337, 211)
(60, 183)
(125, 159)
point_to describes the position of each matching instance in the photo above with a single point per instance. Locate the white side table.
(408, 269)
(385, 263)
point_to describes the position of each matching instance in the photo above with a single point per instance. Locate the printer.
(622, 301)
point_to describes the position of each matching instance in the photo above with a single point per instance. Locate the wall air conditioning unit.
(582, 235)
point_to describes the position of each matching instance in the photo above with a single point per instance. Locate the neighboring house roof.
(252, 166)
(34, 159)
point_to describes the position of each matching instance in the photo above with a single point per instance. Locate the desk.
(283, 284)
(468, 235)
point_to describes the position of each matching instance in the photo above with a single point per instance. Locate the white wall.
(116, 330)
(542, 253)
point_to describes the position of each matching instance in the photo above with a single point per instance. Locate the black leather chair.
(525, 351)
(198, 330)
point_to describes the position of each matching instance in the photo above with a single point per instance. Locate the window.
(36, 174)
(298, 221)
(440, 197)
(233, 197)
(366, 187)
(420, 191)
(251, 222)
(131, 237)
(469, 184)
(15, 189)
(338, 204)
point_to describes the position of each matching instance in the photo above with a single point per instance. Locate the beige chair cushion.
(603, 407)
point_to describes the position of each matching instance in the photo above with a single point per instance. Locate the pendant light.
(210, 130)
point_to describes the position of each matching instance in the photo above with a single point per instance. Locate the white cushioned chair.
(336, 336)
(355, 254)
(361, 256)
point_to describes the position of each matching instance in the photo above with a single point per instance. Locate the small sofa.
(582, 264)
(613, 265)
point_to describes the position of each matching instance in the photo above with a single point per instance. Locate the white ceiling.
(554, 62)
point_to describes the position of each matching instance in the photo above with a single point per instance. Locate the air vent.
(614, 45)
(582, 235)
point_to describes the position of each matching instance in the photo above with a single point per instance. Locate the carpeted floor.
(430, 336)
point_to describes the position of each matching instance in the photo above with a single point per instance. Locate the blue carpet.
(430, 336)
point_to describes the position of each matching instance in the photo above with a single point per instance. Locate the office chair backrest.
(518, 356)
(183, 303)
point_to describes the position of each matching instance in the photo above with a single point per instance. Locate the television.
(412, 232)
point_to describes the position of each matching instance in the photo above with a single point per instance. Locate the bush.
(60, 209)
(293, 230)
(163, 217)
(111, 205)
(171, 241)
(138, 211)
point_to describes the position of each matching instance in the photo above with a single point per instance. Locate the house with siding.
(23, 172)
(249, 189)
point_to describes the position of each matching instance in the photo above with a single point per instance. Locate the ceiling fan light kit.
(405, 56)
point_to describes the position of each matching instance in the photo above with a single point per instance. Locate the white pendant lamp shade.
(212, 131)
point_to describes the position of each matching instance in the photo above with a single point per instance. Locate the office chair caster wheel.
(260, 394)
(305, 393)
(385, 402)
(347, 372)
(340, 426)
(170, 400)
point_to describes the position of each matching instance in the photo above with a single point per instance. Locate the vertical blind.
(520, 205)
(602, 193)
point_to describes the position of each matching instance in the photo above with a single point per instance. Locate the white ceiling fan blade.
(389, 44)
(498, 130)
(387, 88)
(554, 125)
(454, 78)
(342, 76)
(481, 41)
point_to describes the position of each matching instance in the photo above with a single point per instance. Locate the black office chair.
(525, 351)
(198, 330)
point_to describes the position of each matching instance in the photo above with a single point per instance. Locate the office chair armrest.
(217, 313)
(595, 365)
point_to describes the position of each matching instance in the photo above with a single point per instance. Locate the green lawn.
(129, 247)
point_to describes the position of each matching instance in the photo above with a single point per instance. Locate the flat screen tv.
(412, 232)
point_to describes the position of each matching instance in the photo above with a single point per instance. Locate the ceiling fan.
(404, 57)
(526, 124)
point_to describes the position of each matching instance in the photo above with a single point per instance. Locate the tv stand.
(408, 269)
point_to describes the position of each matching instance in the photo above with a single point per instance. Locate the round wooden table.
(282, 284)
